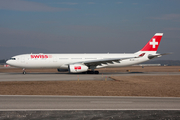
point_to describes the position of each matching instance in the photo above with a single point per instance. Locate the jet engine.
(77, 68)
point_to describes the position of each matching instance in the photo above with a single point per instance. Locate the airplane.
(87, 63)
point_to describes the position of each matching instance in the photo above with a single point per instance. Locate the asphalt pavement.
(67, 76)
(29, 102)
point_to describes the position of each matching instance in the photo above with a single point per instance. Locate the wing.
(103, 61)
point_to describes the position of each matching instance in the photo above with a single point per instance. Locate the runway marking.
(88, 96)
(110, 102)
(81, 109)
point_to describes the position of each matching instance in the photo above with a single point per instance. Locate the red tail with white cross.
(153, 43)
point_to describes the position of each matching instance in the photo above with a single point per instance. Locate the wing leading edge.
(103, 61)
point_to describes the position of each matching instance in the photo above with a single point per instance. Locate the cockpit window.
(12, 59)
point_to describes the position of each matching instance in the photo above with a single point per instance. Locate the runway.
(66, 76)
(40, 103)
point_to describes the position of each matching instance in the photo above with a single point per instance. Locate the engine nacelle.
(62, 70)
(77, 68)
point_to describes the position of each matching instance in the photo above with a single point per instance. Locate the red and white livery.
(87, 63)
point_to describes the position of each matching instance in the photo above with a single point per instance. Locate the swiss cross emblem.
(153, 43)
(77, 67)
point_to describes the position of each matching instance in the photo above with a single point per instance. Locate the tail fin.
(151, 47)
(153, 43)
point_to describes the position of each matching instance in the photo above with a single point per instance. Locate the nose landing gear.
(24, 72)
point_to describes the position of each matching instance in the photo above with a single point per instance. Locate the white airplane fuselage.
(76, 63)
(62, 60)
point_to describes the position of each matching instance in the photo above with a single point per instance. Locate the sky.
(88, 26)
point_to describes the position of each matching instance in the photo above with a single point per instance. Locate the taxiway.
(66, 76)
(39, 103)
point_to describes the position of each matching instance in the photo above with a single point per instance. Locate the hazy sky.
(88, 26)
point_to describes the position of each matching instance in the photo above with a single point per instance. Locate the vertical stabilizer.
(153, 43)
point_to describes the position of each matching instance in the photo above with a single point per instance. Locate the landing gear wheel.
(96, 72)
(92, 72)
(24, 72)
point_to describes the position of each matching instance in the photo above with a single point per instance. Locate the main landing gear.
(91, 72)
(24, 72)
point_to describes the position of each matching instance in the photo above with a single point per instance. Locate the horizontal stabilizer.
(157, 55)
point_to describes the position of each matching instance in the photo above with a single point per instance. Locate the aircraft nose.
(7, 62)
